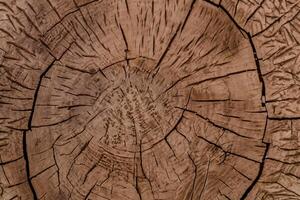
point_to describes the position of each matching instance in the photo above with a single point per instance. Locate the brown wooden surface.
(149, 99)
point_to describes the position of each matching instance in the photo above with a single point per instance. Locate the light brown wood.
(149, 99)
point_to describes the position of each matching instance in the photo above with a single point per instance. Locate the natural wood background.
(149, 99)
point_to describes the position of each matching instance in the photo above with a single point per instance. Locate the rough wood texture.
(149, 99)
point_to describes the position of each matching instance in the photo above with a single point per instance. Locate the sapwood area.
(149, 99)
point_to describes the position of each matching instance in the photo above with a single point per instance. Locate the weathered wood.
(149, 99)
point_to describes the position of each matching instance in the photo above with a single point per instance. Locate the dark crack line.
(29, 125)
(260, 76)
(252, 14)
(11, 161)
(261, 167)
(25, 152)
(276, 21)
(284, 118)
(229, 15)
(62, 19)
(249, 37)
(180, 27)
(263, 93)
(213, 123)
(37, 92)
(219, 77)
(227, 152)
(27, 166)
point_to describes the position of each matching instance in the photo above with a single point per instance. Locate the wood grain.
(149, 99)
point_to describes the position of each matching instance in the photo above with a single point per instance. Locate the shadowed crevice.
(263, 93)
(29, 125)
(27, 165)
(261, 168)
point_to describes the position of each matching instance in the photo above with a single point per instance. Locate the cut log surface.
(149, 100)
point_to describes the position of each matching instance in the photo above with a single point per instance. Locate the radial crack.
(29, 125)
(261, 167)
